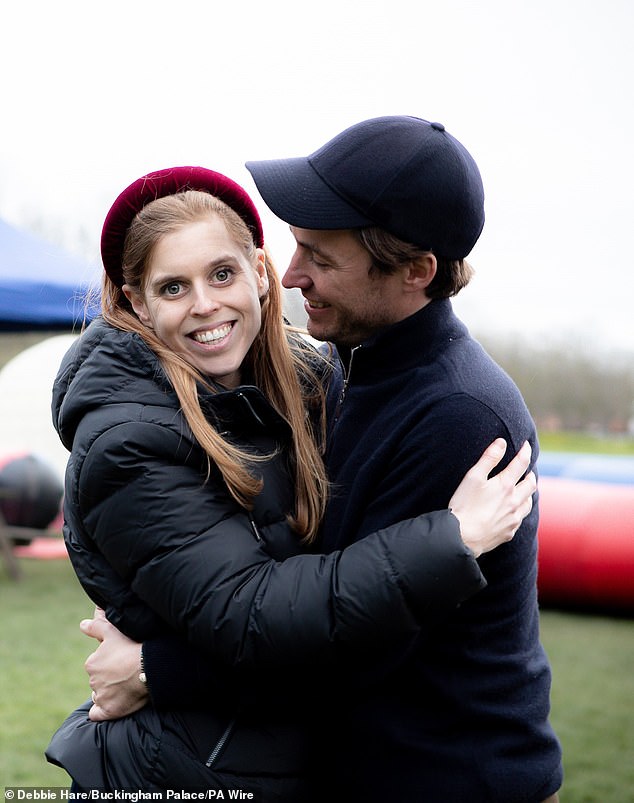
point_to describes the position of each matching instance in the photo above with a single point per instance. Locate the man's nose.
(296, 275)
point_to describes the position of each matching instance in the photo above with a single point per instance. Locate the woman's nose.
(204, 300)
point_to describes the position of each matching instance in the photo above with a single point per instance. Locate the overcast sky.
(541, 93)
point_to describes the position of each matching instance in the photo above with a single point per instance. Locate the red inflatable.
(586, 544)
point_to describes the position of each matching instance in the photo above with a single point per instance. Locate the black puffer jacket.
(162, 550)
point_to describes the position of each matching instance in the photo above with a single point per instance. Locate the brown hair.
(388, 253)
(285, 375)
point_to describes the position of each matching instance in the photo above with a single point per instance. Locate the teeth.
(213, 335)
(317, 304)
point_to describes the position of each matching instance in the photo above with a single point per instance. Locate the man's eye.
(318, 263)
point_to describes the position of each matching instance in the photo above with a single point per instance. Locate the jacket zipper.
(254, 527)
(221, 743)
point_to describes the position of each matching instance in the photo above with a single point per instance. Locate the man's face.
(345, 302)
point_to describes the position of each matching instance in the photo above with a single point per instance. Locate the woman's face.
(202, 297)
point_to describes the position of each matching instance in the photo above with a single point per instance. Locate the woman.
(194, 478)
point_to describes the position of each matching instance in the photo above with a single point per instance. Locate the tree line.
(569, 390)
(563, 388)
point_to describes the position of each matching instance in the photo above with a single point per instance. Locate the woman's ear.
(261, 272)
(135, 297)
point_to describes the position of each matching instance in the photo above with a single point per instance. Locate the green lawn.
(585, 442)
(42, 678)
(41, 666)
(593, 704)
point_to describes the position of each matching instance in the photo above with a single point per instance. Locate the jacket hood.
(105, 366)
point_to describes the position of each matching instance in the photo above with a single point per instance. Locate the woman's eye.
(222, 275)
(172, 289)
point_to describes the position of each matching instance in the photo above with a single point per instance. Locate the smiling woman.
(196, 232)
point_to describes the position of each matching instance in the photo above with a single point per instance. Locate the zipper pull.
(254, 527)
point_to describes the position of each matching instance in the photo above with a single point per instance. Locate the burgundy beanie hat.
(158, 185)
(403, 174)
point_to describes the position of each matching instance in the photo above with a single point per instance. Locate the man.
(384, 216)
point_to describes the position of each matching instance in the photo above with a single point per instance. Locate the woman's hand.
(113, 670)
(491, 510)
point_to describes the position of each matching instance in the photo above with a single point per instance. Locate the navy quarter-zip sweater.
(465, 716)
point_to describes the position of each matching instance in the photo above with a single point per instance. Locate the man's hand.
(113, 670)
(490, 511)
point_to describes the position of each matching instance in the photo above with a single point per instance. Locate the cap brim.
(296, 193)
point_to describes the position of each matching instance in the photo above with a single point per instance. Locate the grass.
(593, 704)
(42, 679)
(41, 667)
(586, 442)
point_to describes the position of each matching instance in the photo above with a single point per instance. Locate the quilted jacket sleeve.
(190, 554)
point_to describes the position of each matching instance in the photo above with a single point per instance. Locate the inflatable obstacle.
(26, 384)
(592, 467)
(586, 531)
(30, 495)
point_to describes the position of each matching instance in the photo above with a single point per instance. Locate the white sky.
(94, 94)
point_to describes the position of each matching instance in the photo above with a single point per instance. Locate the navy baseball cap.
(403, 174)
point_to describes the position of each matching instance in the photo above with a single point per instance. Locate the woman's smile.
(212, 336)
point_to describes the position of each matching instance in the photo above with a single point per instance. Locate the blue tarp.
(41, 286)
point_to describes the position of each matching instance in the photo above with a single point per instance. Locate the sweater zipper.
(221, 743)
(346, 382)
